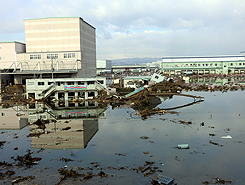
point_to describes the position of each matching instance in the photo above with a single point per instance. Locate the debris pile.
(27, 160)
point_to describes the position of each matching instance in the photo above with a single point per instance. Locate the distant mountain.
(132, 61)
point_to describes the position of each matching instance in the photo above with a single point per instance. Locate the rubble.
(27, 160)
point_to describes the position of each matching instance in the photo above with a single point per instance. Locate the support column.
(66, 99)
(56, 98)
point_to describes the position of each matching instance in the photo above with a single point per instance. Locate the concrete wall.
(54, 39)
(8, 52)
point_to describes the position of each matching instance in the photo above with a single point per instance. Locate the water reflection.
(218, 81)
(13, 118)
(66, 128)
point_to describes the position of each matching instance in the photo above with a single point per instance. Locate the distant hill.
(132, 61)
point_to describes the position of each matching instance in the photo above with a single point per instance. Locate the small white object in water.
(226, 137)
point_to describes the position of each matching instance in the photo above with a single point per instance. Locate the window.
(60, 83)
(80, 83)
(0, 58)
(231, 64)
(101, 81)
(70, 83)
(40, 83)
(199, 64)
(35, 56)
(215, 64)
(202, 64)
(52, 56)
(90, 82)
(69, 55)
(206, 64)
(240, 64)
(49, 83)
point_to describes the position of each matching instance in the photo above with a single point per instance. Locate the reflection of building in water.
(61, 135)
(45, 112)
(217, 81)
(13, 118)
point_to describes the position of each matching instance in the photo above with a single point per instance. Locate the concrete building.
(204, 65)
(103, 66)
(8, 52)
(65, 90)
(55, 47)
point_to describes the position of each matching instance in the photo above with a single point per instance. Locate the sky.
(141, 28)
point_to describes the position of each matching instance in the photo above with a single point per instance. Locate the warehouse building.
(55, 48)
(233, 64)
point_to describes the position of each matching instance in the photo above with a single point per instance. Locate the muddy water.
(122, 141)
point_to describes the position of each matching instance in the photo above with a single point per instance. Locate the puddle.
(115, 146)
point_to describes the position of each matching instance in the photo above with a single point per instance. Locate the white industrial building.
(103, 66)
(56, 47)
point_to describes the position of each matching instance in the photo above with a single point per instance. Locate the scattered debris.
(27, 160)
(214, 143)
(144, 137)
(226, 137)
(120, 154)
(102, 174)
(9, 172)
(22, 179)
(67, 128)
(2, 142)
(183, 146)
(66, 160)
(212, 135)
(218, 181)
(185, 122)
(160, 179)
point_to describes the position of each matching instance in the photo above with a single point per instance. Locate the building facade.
(103, 66)
(55, 47)
(60, 43)
(203, 65)
(8, 51)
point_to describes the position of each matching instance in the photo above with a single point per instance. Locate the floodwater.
(119, 141)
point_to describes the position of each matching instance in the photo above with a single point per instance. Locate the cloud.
(142, 28)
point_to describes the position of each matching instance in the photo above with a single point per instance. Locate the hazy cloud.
(136, 28)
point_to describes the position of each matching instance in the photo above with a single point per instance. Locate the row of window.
(35, 56)
(53, 56)
(69, 55)
(231, 64)
(68, 83)
(195, 65)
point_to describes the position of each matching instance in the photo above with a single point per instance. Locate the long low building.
(204, 65)
(65, 90)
